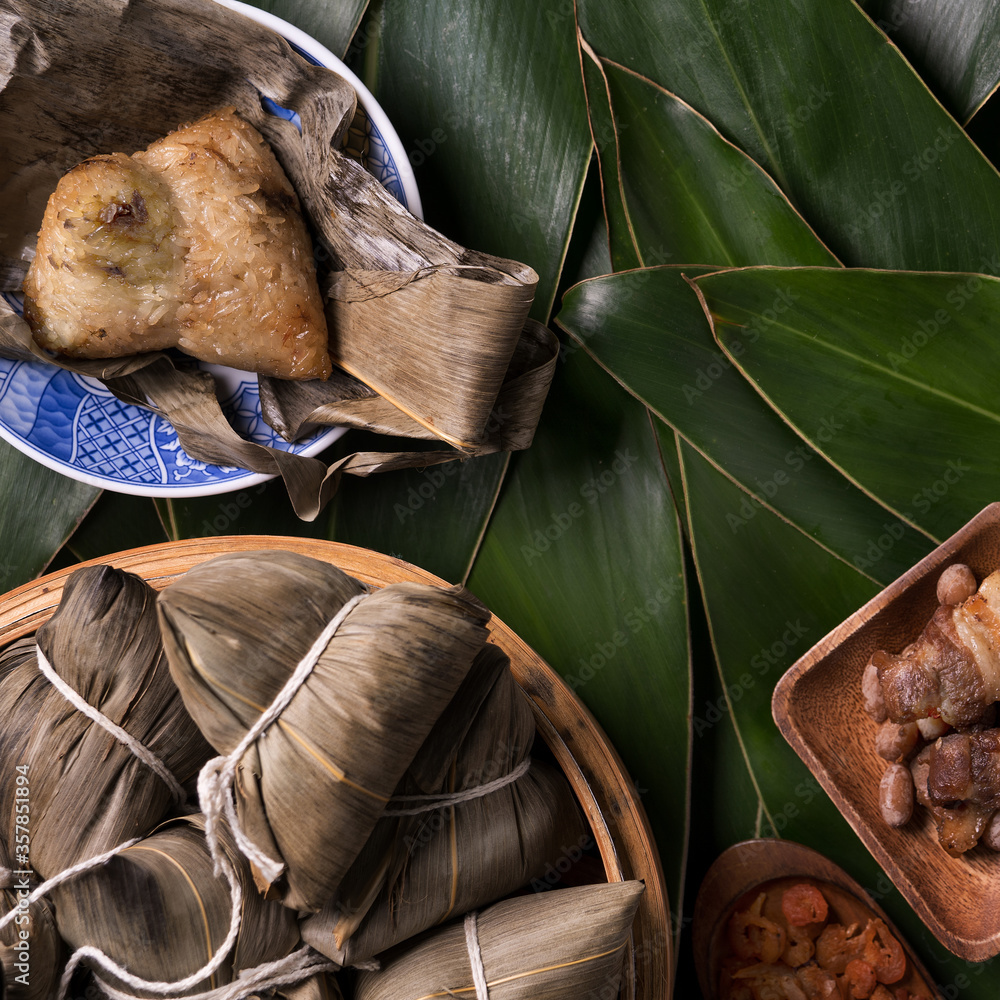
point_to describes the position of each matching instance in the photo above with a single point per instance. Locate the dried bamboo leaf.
(23, 691)
(558, 945)
(157, 910)
(386, 850)
(235, 628)
(319, 987)
(462, 858)
(32, 955)
(89, 792)
(470, 854)
(295, 408)
(437, 331)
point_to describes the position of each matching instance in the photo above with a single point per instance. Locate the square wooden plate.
(818, 708)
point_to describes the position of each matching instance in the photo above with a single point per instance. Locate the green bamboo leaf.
(40, 509)
(716, 207)
(648, 330)
(953, 44)
(909, 398)
(500, 149)
(838, 118)
(583, 560)
(332, 23)
(588, 255)
(116, 522)
(431, 517)
(790, 595)
(669, 442)
(621, 239)
(448, 75)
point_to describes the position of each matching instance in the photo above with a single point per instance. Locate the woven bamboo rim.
(606, 793)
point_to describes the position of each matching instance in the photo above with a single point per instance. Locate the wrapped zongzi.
(89, 790)
(558, 945)
(32, 954)
(479, 844)
(311, 787)
(158, 911)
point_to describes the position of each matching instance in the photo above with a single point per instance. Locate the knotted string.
(215, 782)
(153, 986)
(431, 802)
(292, 968)
(64, 876)
(138, 748)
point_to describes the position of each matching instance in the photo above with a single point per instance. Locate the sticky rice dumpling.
(163, 890)
(560, 945)
(103, 643)
(311, 787)
(197, 242)
(470, 853)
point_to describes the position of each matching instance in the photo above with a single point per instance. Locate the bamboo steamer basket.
(616, 818)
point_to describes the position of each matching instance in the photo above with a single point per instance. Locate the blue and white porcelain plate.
(74, 425)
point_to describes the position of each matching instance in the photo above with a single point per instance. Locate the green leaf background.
(766, 232)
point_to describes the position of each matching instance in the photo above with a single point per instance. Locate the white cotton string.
(476, 956)
(215, 782)
(291, 968)
(158, 987)
(64, 876)
(82, 705)
(431, 802)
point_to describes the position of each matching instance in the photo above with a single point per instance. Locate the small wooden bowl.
(818, 707)
(770, 864)
(617, 820)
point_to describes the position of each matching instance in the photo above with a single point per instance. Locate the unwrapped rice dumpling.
(197, 242)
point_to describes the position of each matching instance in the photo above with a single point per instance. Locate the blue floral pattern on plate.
(74, 425)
